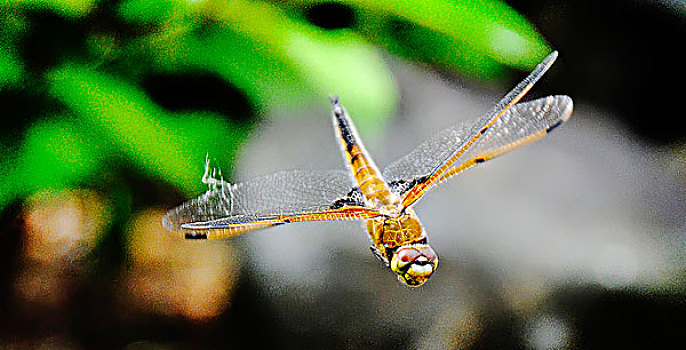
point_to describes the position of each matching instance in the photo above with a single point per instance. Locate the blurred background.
(110, 107)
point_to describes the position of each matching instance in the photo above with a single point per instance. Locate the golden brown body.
(398, 238)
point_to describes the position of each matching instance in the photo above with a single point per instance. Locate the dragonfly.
(382, 200)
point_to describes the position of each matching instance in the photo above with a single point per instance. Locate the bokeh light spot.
(173, 276)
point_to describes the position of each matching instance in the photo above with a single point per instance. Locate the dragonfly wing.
(290, 196)
(420, 186)
(520, 124)
(423, 160)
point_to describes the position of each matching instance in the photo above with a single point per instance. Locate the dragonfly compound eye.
(414, 263)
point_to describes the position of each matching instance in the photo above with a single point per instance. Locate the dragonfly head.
(414, 263)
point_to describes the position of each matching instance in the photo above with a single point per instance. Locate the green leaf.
(167, 146)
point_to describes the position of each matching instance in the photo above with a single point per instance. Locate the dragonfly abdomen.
(373, 188)
(362, 167)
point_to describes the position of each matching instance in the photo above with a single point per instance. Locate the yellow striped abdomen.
(371, 185)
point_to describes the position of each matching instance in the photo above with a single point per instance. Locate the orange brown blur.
(171, 276)
(61, 229)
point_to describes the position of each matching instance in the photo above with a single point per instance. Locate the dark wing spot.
(402, 186)
(552, 127)
(352, 198)
(195, 236)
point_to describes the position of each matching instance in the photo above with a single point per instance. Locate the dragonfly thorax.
(387, 203)
(393, 210)
(390, 232)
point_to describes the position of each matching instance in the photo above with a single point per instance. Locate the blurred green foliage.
(95, 116)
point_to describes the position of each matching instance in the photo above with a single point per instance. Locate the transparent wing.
(284, 197)
(423, 160)
(416, 189)
(521, 124)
